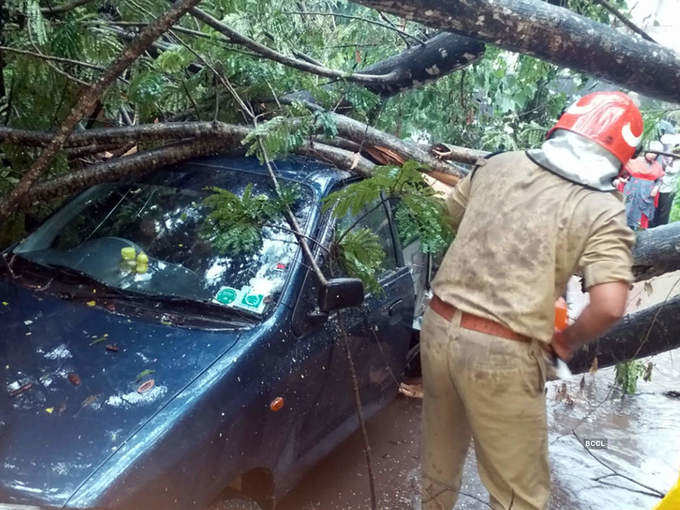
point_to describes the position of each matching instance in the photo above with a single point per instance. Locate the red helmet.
(610, 119)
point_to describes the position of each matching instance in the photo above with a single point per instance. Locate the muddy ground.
(641, 430)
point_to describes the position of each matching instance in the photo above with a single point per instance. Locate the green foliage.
(424, 220)
(419, 213)
(173, 60)
(675, 210)
(36, 22)
(503, 101)
(283, 134)
(361, 255)
(234, 224)
(627, 375)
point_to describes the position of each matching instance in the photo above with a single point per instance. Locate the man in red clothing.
(642, 188)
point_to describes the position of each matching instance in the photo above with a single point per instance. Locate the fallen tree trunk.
(657, 251)
(141, 133)
(144, 162)
(118, 168)
(365, 134)
(417, 66)
(351, 129)
(643, 333)
(555, 34)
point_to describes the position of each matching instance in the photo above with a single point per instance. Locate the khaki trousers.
(490, 389)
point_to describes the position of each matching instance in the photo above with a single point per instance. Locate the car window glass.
(164, 218)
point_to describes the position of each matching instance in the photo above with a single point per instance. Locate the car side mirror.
(341, 293)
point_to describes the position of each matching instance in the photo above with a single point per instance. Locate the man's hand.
(607, 305)
(561, 346)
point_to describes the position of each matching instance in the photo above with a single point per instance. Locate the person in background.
(642, 188)
(668, 188)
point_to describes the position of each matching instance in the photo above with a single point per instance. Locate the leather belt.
(475, 323)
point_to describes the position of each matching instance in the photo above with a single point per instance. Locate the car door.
(380, 355)
(378, 334)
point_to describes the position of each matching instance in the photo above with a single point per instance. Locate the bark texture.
(418, 65)
(119, 168)
(657, 251)
(439, 56)
(644, 333)
(555, 34)
(140, 133)
(362, 133)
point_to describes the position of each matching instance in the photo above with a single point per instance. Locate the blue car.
(142, 368)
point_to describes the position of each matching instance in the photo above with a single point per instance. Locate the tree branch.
(358, 18)
(42, 56)
(624, 20)
(554, 34)
(113, 170)
(301, 65)
(88, 99)
(358, 131)
(139, 133)
(614, 472)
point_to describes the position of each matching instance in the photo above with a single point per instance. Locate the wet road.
(643, 444)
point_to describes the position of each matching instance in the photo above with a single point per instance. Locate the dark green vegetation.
(52, 49)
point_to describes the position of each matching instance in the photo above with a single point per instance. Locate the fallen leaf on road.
(100, 339)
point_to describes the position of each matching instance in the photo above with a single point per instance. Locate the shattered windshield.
(155, 237)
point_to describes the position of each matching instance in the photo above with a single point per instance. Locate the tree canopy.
(311, 73)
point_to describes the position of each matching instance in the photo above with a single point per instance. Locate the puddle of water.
(641, 434)
(643, 443)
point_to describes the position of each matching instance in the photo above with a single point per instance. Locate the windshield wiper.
(179, 304)
(197, 305)
(194, 304)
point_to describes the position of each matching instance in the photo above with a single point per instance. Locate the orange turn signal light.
(276, 404)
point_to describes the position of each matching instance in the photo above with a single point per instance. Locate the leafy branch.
(234, 225)
(420, 214)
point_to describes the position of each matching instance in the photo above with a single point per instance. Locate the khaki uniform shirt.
(522, 232)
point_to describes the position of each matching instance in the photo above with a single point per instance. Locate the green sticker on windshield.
(226, 295)
(252, 300)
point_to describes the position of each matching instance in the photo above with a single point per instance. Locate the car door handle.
(393, 308)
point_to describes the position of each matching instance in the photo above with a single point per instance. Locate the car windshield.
(152, 237)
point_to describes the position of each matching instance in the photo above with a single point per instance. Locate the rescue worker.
(525, 221)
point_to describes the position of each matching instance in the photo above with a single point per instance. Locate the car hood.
(76, 383)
